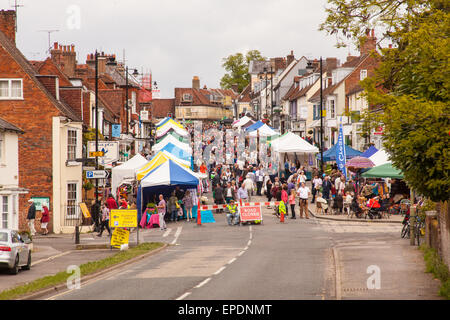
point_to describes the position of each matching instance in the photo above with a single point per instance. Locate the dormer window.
(187, 97)
(362, 74)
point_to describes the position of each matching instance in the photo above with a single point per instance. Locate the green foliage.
(89, 135)
(438, 268)
(411, 84)
(237, 69)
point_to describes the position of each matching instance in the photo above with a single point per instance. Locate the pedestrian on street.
(229, 193)
(303, 193)
(269, 190)
(316, 185)
(219, 196)
(242, 194)
(45, 219)
(326, 189)
(292, 203)
(111, 203)
(188, 204)
(105, 220)
(172, 207)
(31, 216)
(248, 185)
(161, 212)
(259, 180)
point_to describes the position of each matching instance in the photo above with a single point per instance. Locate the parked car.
(14, 251)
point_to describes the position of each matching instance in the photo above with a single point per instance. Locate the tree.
(411, 84)
(237, 69)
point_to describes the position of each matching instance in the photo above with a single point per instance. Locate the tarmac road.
(300, 260)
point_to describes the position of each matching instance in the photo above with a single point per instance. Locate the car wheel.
(28, 266)
(15, 269)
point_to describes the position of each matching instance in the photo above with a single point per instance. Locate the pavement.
(310, 259)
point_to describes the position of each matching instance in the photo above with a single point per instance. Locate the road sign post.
(97, 174)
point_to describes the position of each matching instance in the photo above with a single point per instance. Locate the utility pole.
(321, 116)
(96, 127)
(271, 95)
(16, 6)
(126, 96)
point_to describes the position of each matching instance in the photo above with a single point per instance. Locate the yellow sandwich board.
(119, 237)
(123, 219)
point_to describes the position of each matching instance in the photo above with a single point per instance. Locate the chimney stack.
(196, 83)
(65, 57)
(290, 58)
(369, 43)
(8, 24)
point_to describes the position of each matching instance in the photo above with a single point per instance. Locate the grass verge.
(85, 269)
(438, 268)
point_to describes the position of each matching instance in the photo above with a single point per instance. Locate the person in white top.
(259, 180)
(316, 185)
(303, 194)
(301, 178)
(248, 185)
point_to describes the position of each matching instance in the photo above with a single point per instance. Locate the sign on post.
(250, 213)
(119, 237)
(97, 174)
(123, 219)
(110, 150)
(94, 154)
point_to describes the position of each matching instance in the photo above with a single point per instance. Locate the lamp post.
(135, 74)
(321, 116)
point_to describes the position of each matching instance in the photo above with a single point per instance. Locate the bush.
(438, 268)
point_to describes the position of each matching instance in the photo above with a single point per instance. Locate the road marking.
(177, 234)
(167, 232)
(249, 243)
(51, 258)
(219, 271)
(183, 296)
(338, 274)
(231, 261)
(201, 284)
(241, 253)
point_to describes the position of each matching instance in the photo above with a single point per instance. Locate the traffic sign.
(123, 219)
(97, 174)
(119, 237)
(96, 154)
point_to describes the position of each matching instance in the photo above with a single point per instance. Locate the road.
(299, 260)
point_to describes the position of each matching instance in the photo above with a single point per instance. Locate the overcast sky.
(176, 39)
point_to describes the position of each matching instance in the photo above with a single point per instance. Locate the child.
(282, 210)
(292, 203)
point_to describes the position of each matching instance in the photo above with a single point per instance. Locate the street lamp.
(135, 74)
(321, 116)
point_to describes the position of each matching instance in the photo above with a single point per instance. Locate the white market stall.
(380, 157)
(244, 121)
(264, 131)
(126, 171)
(295, 148)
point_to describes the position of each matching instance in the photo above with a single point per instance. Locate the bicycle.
(419, 229)
(406, 231)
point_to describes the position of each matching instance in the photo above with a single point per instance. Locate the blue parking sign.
(115, 130)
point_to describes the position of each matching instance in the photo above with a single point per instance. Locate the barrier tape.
(245, 204)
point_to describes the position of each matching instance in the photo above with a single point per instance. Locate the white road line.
(51, 258)
(167, 232)
(183, 296)
(201, 284)
(219, 271)
(241, 253)
(231, 261)
(249, 243)
(246, 248)
(177, 234)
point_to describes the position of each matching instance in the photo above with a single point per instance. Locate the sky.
(175, 40)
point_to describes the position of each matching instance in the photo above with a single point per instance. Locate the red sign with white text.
(251, 213)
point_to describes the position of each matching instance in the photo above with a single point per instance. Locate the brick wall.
(354, 79)
(49, 83)
(34, 115)
(8, 24)
(444, 226)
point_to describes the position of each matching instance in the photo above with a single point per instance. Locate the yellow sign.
(119, 237)
(85, 210)
(324, 113)
(123, 219)
(94, 154)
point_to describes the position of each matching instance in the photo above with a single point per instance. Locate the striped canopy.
(359, 163)
(156, 161)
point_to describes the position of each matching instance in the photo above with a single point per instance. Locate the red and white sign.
(379, 131)
(251, 213)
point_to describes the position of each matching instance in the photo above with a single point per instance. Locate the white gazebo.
(126, 171)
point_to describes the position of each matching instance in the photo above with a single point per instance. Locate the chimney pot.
(55, 45)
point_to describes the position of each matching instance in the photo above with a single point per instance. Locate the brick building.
(52, 132)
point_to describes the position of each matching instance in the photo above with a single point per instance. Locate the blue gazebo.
(330, 154)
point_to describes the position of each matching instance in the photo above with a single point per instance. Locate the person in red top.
(203, 168)
(45, 219)
(111, 203)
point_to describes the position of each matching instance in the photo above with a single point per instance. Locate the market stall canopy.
(359, 163)
(176, 136)
(330, 154)
(170, 174)
(163, 121)
(177, 152)
(264, 131)
(125, 171)
(381, 157)
(292, 143)
(254, 126)
(156, 161)
(369, 152)
(170, 139)
(384, 171)
(243, 122)
(171, 126)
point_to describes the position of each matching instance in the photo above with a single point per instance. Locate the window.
(72, 200)
(71, 144)
(332, 110)
(11, 89)
(5, 212)
(362, 74)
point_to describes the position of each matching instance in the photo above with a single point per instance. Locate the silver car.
(14, 251)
